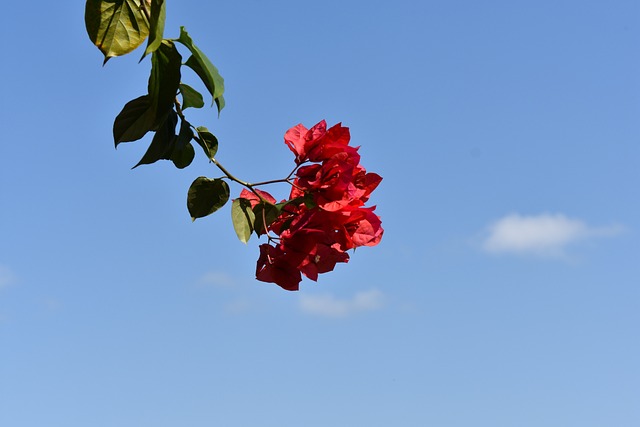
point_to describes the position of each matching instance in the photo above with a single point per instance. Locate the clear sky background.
(506, 290)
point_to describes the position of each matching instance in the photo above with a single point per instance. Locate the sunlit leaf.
(206, 196)
(117, 27)
(243, 218)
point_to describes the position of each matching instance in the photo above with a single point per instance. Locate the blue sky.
(505, 291)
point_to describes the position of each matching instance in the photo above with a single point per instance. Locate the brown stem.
(228, 174)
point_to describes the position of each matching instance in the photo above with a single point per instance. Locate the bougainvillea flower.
(318, 143)
(330, 183)
(322, 259)
(300, 140)
(336, 183)
(362, 227)
(366, 182)
(273, 267)
(312, 251)
(334, 141)
(325, 215)
(254, 199)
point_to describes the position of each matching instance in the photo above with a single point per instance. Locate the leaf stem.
(228, 174)
(273, 181)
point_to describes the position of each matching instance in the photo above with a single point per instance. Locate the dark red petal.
(272, 267)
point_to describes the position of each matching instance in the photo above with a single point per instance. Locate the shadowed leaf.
(265, 215)
(164, 80)
(163, 142)
(206, 196)
(183, 157)
(156, 30)
(190, 97)
(207, 141)
(134, 121)
(203, 67)
(183, 152)
(150, 111)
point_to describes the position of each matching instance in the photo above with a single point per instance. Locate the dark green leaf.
(134, 121)
(203, 67)
(183, 152)
(308, 201)
(265, 215)
(183, 157)
(295, 202)
(156, 30)
(190, 97)
(289, 206)
(116, 27)
(206, 196)
(163, 142)
(165, 79)
(185, 134)
(207, 141)
(243, 219)
(150, 111)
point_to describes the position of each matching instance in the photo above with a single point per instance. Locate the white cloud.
(545, 234)
(6, 276)
(330, 306)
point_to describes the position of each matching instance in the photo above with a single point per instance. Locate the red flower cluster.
(325, 214)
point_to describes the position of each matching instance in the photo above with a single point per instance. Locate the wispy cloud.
(545, 234)
(6, 276)
(217, 279)
(330, 306)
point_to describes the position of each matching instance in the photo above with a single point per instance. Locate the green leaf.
(220, 103)
(206, 196)
(163, 142)
(295, 202)
(150, 111)
(190, 97)
(208, 81)
(308, 201)
(156, 30)
(183, 152)
(183, 157)
(265, 215)
(134, 121)
(164, 80)
(243, 218)
(116, 27)
(207, 141)
(203, 67)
